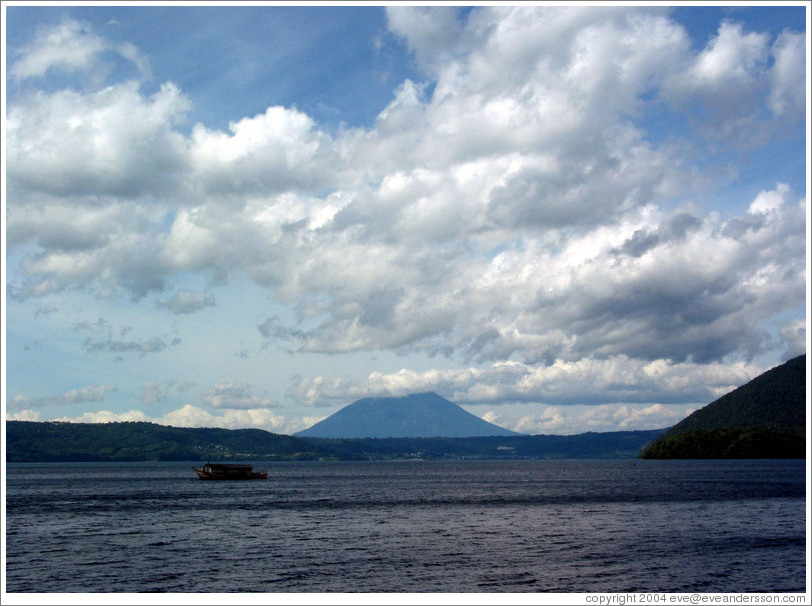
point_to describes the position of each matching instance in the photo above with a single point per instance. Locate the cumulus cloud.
(103, 337)
(619, 380)
(232, 394)
(187, 302)
(106, 416)
(728, 80)
(152, 393)
(793, 333)
(432, 33)
(191, 416)
(82, 395)
(574, 419)
(238, 407)
(111, 142)
(270, 153)
(787, 93)
(523, 219)
(69, 46)
(186, 416)
(234, 403)
(24, 415)
(604, 417)
(652, 285)
(148, 346)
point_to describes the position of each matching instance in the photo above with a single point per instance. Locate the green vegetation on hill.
(136, 441)
(41, 442)
(728, 444)
(765, 418)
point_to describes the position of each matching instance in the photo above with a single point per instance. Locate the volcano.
(424, 415)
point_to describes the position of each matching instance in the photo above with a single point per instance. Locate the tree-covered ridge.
(775, 401)
(765, 418)
(136, 441)
(139, 441)
(728, 444)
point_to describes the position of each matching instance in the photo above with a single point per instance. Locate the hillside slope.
(773, 401)
(28, 441)
(764, 418)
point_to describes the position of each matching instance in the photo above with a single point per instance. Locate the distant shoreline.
(30, 441)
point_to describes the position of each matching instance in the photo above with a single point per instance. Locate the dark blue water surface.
(466, 526)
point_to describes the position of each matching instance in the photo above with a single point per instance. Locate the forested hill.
(773, 401)
(135, 441)
(765, 418)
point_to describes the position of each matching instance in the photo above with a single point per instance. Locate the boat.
(229, 471)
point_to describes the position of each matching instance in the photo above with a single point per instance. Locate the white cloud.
(619, 379)
(116, 346)
(432, 33)
(62, 226)
(69, 46)
(733, 57)
(570, 420)
(238, 408)
(106, 416)
(728, 80)
(512, 212)
(187, 301)
(649, 286)
(82, 395)
(483, 165)
(23, 415)
(793, 333)
(90, 393)
(231, 394)
(770, 201)
(269, 153)
(192, 416)
(111, 142)
(788, 92)
(152, 393)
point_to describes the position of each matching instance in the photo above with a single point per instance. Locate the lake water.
(466, 526)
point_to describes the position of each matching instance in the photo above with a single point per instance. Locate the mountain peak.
(418, 415)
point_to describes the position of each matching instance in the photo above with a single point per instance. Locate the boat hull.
(229, 472)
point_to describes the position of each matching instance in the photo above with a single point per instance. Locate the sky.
(562, 218)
